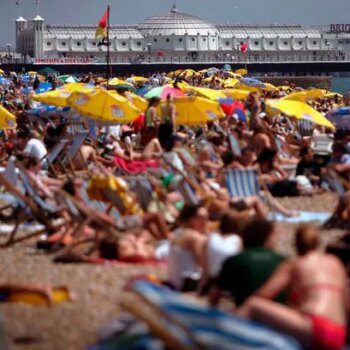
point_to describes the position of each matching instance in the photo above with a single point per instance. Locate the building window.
(180, 40)
(48, 43)
(314, 43)
(300, 43)
(93, 43)
(256, 43)
(138, 43)
(78, 43)
(271, 43)
(227, 43)
(155, 40)
(167, 40)
(64, 43)
(193, 39)
(285, 43)
(213, 39)
(123, 43)
(204, 39)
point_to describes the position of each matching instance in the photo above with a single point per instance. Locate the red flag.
(244, 48)
(101, 31)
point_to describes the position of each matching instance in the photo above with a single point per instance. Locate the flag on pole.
(101, 31)
(244, 48)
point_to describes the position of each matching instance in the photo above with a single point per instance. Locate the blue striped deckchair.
(334, 181)
(305, 127)
(187, 193)
(242, 183)
(206, 327)
(234, 146)
(143, 189)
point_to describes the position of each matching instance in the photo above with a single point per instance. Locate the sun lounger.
(50, 159)
(242, 183)
(72, 151)
(322, 144)
(335, 182)
(305, 127)
(234, 146)
(28, 205)
(143, 189)
(183, 323)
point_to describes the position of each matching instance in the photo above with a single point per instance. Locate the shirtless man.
(318, 299)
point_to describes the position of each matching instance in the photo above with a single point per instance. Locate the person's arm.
(173, 117)
(277, 283)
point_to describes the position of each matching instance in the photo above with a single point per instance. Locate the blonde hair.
(307, 238)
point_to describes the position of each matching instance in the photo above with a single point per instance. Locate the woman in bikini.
(318, 302)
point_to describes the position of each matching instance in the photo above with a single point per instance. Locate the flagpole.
(108, 50)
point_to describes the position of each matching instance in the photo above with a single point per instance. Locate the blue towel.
(304, 216)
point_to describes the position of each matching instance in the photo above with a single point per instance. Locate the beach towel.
(303, 217)
(134, 167)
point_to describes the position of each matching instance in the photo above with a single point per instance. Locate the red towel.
(134, 166)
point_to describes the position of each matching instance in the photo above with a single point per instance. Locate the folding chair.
(50, 158)
(335, 182)
(234, 146)
(305, 127)
(242, 183)
(183, 323)
(28, 205)
(143, 190)
(73, 150)
(322, 145)
(285, 154)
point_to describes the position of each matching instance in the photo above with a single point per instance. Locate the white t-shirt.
(219, 249)
(35, 148)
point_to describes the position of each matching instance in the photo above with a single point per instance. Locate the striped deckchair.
(184, 323)
(242, 183)
(322, 144)
(305, 127)
(187, 193)
(335, 182)
(143, 189)
(234, 146)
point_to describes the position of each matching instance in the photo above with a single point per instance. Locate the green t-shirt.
(243, 274)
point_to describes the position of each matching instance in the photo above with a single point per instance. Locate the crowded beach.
(184, 210)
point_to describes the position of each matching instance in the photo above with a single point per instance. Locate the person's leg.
(279, 317)
(156, 224)
(257, 204)
(152, 148)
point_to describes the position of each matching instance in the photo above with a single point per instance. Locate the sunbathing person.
(130, 247)
(318, 300)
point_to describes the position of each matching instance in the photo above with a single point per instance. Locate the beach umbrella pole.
(108, 57)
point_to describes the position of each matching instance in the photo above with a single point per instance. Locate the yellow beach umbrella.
(305, 95)
(2, 71)
(236, 94)
(230, 83)
(270, 87)
(210, 79)
(139, 79)
(7, 119)
(32, 73)
(241, 72)
(298, 110)
(206, 92)
(139, 102)
(59, 97)
(103, 106)
(194, 110)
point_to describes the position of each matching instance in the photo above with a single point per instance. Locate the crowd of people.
(213, 240)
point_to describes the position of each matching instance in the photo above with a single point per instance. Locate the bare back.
(319, 286)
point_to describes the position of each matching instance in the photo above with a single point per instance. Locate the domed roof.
(176, 23)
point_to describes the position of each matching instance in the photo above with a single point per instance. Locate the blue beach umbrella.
(340, 117)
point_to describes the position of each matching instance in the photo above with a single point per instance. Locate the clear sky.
(217, 11)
